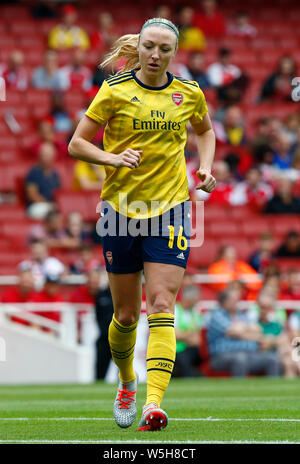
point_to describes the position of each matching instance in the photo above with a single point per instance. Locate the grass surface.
(228, 410)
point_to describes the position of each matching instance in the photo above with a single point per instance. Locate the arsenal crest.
(177, 98)
(109, 257)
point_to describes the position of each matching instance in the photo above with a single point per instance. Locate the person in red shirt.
(76, 75)
(14, 73)
(224, 188)
(291, 287)
(210, 20)
(21, 293)
(51, 293)
(104, 36)
(86, 294)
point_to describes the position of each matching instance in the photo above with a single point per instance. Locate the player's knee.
(126, 318)
(161, 304)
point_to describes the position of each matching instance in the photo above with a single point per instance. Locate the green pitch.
(200, 410)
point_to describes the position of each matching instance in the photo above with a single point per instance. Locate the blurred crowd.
(257, 164)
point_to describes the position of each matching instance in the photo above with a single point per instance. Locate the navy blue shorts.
(128, 242)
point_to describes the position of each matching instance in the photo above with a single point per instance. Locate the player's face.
(157, 47)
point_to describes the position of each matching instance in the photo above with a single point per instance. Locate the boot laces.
(125, 398)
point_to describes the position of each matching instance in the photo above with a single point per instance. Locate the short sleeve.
(101, 108)
(200, 109)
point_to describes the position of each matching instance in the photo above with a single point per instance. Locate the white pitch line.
(175, 419)
(133, 442)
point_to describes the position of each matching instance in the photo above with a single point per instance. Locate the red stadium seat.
(18, 231)
(24, 28)
(84, 201)
(222, 228)
(37, 97)
(11, 212)
(282, 224)
(9, 173)
(215, 213)
(202, 257)
(254, 229)
(288, 263)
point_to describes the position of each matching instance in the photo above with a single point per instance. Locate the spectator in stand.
(290, 247)
(210, 20)
(227, 264)
(23, 292)
(234, 341)
(282, 151)
(86, 261)
(46, 133)
(294, 327)
(271, 280)
(41, 183)
(48, 76)
(263, 256)
(234, 128)
(227, 78)
(196, 69)
(283, 202)
(266, 132)
(106, 33)
(42, 264)
(75, 235)
(252, 191)
(76, 76)
(55, 234)
(86, 295)
(62, 121)
(162, 11)
(278, 85)
(188, 322)
(51, 293)
(14, 73)
(44, 9)
(275, 337)
(291, 127)
(104, 312)
(190, 37)
(224, 187)
(88, 176)
(241, 26)
(291, 288)
(67, 34)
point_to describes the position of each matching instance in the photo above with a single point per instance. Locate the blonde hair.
(126, 47)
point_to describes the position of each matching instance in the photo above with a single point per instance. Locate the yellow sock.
(122, 342)
(161, 354)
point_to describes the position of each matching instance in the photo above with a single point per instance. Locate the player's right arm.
(80, 147)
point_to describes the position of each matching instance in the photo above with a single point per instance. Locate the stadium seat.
(17, 231)
(11, 212)
(222, 228)
(282, 224)
(254, 229)
(285, 264)
(201, 257)
(84, 202)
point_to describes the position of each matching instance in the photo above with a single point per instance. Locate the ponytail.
(124, 48)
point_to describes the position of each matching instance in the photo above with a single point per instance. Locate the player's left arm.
(206, 144)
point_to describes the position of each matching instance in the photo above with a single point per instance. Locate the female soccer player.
(145, 109)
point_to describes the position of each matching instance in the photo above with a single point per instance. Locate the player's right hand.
(129, 158)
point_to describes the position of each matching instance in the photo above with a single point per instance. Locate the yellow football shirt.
(152, 119)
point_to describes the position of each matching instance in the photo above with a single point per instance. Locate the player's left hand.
(208, 183)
